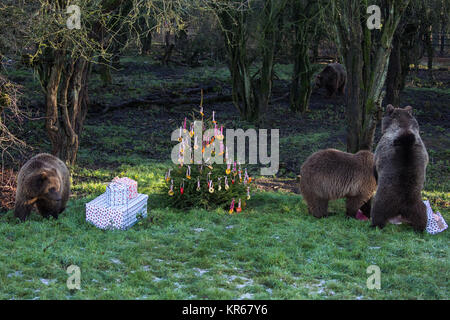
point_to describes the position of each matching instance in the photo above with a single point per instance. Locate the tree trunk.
(394, 75)
(306, 32)
(235, 37)
(404, 47)
(242, 91)
(444, 23)
(353, 64)
(301, 88)
(147, 43)
(105, 71)
(66, 101)
(430, 50)
(315, 50)
(263, 85)
(168, 48)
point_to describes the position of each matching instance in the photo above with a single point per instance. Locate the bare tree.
(306, 19)
(366, 55)
(9, 113)
(406, 50)
(251, 90)
(64, 57)
(434, 16)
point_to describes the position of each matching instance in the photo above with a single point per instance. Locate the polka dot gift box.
(435, 222)
(124, 212)
(117, 194)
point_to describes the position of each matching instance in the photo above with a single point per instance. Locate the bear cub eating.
(332, 174)
(400, 163)
(43, 180)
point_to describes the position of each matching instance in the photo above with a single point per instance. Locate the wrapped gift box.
(435, 222)
(131, 185)
(119, 207)
(117, 194)
(103, 216)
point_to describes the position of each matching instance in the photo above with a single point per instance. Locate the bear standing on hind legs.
(400, 163)
(43, 180)
(332, 174)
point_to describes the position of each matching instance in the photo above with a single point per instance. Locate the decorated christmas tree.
(206, 176)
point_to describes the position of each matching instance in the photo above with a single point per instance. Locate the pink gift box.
(131, 185)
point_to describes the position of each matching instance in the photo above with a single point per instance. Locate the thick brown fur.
(43, 180)
(332, 174)
(333, 78)
(400, 162)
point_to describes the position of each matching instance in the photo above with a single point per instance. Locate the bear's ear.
(38, 180)
(43, 175)
(408, 109)
(389, 109)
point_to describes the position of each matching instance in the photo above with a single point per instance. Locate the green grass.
(303, 140)
(274, 250)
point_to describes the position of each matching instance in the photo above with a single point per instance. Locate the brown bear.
(333, 78)
(332, 174)
(400, 163)
(43, 180)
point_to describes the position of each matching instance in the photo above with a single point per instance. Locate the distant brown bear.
(333, 78)
(401, 160)
(332, 174)
(44, 180)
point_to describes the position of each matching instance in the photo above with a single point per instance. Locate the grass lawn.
(272, 250)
